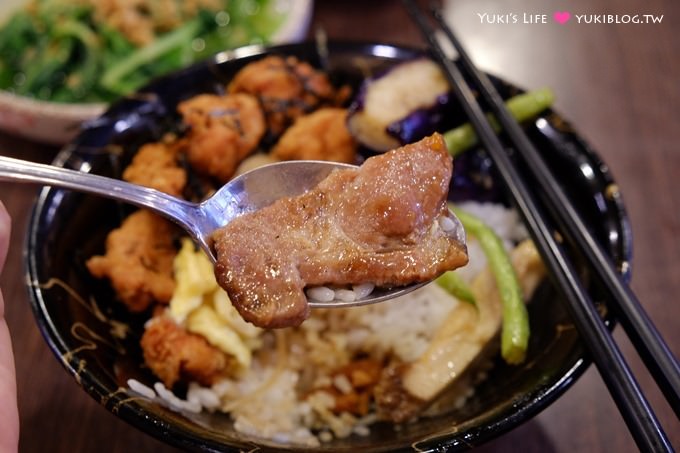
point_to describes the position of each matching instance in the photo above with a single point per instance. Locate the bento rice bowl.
(271, 398)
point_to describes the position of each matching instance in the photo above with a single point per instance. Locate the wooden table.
(617, 83)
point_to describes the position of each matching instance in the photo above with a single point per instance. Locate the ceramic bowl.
(82, 323)
(58, 123)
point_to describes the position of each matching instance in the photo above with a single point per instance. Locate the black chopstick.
(653, 350)
(615, 372)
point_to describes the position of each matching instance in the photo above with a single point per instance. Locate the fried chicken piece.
(287, 88)
(379, 223)
(155, 165)
(224, 130)
(138, 260)
(173, 354)
(321, 135)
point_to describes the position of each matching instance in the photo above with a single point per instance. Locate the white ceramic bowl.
(57, 123)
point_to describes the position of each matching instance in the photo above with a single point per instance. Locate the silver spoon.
(248, 192)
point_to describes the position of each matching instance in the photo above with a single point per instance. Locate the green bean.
(515, 325)
(456, 286)
(522, 107)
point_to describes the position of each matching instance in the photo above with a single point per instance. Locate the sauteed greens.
(96, 50)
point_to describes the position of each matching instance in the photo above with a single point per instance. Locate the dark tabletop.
(619, 84)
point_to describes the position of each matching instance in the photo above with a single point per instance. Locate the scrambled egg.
(204, 308)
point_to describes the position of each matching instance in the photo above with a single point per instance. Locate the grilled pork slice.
(467, 333)
(375, 224)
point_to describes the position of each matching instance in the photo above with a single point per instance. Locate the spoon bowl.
(248, 192)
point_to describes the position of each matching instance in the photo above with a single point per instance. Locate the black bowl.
(97, 341)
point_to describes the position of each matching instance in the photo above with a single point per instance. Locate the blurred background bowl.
(57, 123)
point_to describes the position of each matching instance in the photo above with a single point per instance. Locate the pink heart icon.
(561, 16)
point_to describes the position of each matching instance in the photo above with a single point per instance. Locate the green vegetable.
(515, 328)
(113, 79)
(84, 71)
(18, 33)
(522, 107)
(45, 70)
(60, 51)
(456, 286)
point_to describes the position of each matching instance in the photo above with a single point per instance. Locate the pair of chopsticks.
(663, 366)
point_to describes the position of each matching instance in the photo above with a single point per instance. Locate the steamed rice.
(265, 400)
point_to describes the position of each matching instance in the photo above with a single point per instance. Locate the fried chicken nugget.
(321, 135)
(155, 165)
(138, 260)
(286, 87)
(224, 130)
(172, 354)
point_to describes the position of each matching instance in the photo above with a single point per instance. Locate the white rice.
(321, 294)
(328, 294)
(505, 223)
(206, 397)
(342, 383)
(447, 224)
(174, 401)
(265, 400)
(345, 295)
(363, 290)
(140, 388)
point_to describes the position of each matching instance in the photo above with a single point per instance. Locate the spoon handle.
(23, 171)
